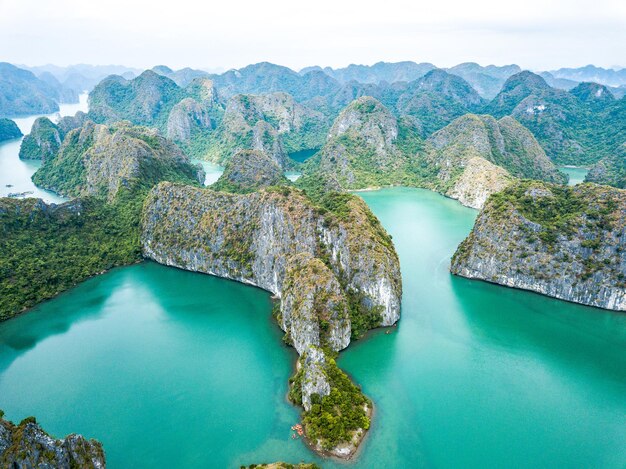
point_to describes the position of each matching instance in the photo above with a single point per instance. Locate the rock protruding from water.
(333, 266)
(248, 171)
(9, 130)
(560, 241)
(43, 141)
(27, 445)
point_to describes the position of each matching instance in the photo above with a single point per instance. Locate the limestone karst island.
(305, 236)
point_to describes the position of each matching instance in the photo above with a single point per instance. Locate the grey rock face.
(249, 170)
(27, 445)
(583, 260)
(314, 380)
(185, 117)
(251, 237)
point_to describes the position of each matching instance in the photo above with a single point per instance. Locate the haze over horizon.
(535, 35)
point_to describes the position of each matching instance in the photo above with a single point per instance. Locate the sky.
(536, 34)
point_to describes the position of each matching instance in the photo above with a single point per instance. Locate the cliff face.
(27, 445)
(564, 242)
(43, 142)
(99, 160)
(188, 117)
(336, 273)
(251, 237)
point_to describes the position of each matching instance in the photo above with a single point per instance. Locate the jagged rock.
(68, 123)
(314, 309)
(362, 146)
(249, 170)
(187, 116)
(27, 445)
(96, 159)
(478, 181)
(266, 139)
(564, 242)
(43, 142)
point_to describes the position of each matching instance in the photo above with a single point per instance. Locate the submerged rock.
(27, 445)
(564, 242)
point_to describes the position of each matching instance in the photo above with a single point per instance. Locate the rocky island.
(9, 130)
(560, 241)
(27, 445)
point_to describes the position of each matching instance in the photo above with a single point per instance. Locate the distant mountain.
(185, 115)
(22, 93)
(380, 72)
(181, 77)
(265, 77)
(487, 81)
(576, 127)
(436, 99)
(592, 73)
(562, 83)
(82, 77)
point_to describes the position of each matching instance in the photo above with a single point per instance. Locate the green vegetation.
(43, 141)
(45, 250)
(9, 130)
(334, 418)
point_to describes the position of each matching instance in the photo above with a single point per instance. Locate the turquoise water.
(175, 369)
(15, 172)
(576, 174)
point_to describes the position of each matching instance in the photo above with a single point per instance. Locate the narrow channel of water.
(15, 174)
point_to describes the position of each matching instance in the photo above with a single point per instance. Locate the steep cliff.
(96, 159)
(332, 265)
(248, 171)
(565, 242)
(43, 142)
(27, 445)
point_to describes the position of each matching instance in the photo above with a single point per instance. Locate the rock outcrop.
(248, 171)
(295, 126)
(475, 156)
(99, 160)
(362, 147)
(27, 445)
(336, 272)
(564, 242)
(187, 117)
(9, 130)
(43, 142)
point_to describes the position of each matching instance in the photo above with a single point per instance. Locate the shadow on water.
(575, 337)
